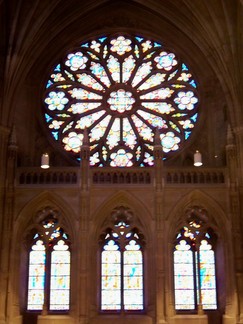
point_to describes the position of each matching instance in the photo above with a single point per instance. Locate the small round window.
(121, 88)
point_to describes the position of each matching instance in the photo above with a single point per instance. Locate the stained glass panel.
(111, 277)
(194, 266)
(207, 276)
(133, 277)
(114, 77)
(184, 276)
(60, 277)
(36, 282)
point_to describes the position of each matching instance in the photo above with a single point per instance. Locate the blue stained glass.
(144, 71)
(102, 39)
(48, 118)
(187, 134)
(194, 117)
(57, 68)
(193, 83)
(55, 135)
(49, 83)
(184, 67)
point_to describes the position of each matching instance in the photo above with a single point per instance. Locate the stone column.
(159, 221)
(235, 283)
(84, 230)
(8, 168)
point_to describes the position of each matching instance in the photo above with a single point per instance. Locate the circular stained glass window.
(121, 88)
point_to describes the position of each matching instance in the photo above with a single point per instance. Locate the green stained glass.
(117, 77)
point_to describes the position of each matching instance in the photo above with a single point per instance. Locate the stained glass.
(54, 273)
(122, 270)
(121, 77)
(111, 277)
(133, 277)
(60, 277)
(207, 276)
(194, 268)
(37, 259)
(184, 276)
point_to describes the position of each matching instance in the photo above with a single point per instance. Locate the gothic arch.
(25, 219)
(26, 222)
(218, 222)
(217, 216)
(125, 199)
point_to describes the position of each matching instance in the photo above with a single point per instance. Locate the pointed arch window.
(194, 267)
(122, 269)
(49, 268)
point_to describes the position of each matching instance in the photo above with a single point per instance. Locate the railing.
(194, 176)
(122, 176)
(37, 176)
(126, 176)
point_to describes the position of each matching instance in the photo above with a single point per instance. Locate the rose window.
(121, 89)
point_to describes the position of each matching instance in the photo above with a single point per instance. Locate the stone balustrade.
(106, 176)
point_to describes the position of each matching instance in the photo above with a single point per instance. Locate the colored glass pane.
(49, 268)
(184, 276)
(36, 282)
(60, 277)
(118, 77)
(111, 277)
(207, 276)
(133, 277)
(194, 267)
(121, 270)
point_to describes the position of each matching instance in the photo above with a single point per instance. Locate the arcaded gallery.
(121, 162)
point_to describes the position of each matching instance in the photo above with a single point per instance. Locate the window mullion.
(47, 288)
(122, 280)
(195, 277)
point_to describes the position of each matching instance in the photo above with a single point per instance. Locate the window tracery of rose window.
(121, 88)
